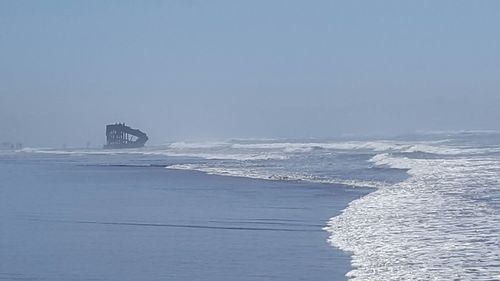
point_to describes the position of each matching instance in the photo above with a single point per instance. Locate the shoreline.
(130, 223)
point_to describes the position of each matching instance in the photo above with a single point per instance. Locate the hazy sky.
(217, 69)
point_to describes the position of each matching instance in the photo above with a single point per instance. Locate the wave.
(387, 160)
(267, 175)
(292, 146)
(440, 224)
(429, 147)
(226, 156)
(191, 145)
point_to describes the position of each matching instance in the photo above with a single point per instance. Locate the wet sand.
(65, 221)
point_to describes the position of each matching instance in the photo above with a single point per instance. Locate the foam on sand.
(440, 224)
(255, 173)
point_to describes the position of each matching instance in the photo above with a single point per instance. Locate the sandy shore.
(65, 221)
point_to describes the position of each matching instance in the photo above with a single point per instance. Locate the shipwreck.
(120, 135)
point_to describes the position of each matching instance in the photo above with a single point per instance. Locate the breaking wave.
(268, 175)
(190, 145)
(442, 223)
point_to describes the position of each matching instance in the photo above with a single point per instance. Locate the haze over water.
(210, 70)
(288, 140)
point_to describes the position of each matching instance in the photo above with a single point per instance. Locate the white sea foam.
(440, 224)
(190, 145)
(292, 146)
(250, 172)
(228, 156)
(431, 147)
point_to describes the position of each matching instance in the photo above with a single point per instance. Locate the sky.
(182, 70)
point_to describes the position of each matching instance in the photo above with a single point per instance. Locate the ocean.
(417, 207)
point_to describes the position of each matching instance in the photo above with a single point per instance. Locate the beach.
(63, 218)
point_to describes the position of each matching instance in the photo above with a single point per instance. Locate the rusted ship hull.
(121, 136)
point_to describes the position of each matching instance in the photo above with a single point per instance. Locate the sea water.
(434, 213)
(121, 216)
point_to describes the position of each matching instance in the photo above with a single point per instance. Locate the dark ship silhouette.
(121, 136)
